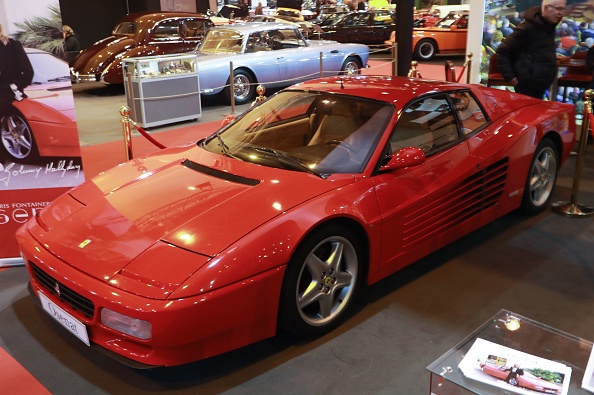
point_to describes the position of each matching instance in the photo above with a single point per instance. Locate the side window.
(194, 28)
(167, 30)
(427, 123)
(470, 113)
(463, 24)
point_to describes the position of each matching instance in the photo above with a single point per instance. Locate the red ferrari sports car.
(525, 380)
(279, 218)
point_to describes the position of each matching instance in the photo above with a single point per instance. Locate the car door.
(379, 28)
(453, 39)
(299, 62)
(427, 206)
(193, 31)
(167, 37)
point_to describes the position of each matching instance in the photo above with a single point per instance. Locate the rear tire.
(541, 178)
(18, 142)
(425, 49)
(244, 88)
(351, 66)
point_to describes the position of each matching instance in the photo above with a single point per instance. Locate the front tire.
(541, 179)
(321, 282)
(244, 88)
(351, 66)
(18, 142)
(425, 49)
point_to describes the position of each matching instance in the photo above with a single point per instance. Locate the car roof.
(143, 18)
(395, 90)
(250, 27)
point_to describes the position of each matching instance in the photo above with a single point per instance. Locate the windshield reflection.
(306, 131)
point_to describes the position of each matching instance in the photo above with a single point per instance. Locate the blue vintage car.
(269, 54)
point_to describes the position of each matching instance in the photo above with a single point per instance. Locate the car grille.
(76, 301)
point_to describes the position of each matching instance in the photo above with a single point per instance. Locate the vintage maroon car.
(280, 218)
(139, 35)
(526, 380)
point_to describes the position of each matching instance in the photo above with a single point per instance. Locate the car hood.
(186, 197)
(98, 56)
(57, 96)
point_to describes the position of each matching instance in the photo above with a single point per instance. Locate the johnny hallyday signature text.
(12, 170)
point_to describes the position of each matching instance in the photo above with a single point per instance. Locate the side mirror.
(454, 27)
(406, 157)
(227, 120)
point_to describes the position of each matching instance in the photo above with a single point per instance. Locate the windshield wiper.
(225, 147)
(289, 160)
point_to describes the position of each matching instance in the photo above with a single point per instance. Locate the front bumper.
(77, 77)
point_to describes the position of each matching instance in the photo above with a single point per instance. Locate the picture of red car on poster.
(513, 370)
(43, 124)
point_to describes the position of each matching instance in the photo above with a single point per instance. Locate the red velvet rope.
(461, 73)
(148, 136)
(591, 118)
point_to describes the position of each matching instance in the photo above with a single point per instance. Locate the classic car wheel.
(351, 66)
(321, 281)
(18, 142)
(513, 381)
(541, 178)
(243, 89)
(425, 49)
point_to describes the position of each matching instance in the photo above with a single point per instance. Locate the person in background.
(16, 72)
(506, 29)
(258, 10)
(244, 9)
(71, 44)
(527, 57)
(515, 19)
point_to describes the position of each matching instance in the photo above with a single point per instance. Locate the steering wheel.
(342, 144)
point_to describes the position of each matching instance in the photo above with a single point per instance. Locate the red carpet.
(100, 157)
(16, 380)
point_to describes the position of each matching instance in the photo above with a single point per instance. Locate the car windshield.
(337, 19)
(47, 67)
(314, 132)
(448, 20)
(125, 28)
(222, 40)
(291, 13)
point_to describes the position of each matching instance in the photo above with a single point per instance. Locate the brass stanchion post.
(260, 90)
(414, 72)
(232, 87)
(131, 99)
(573, 209)
(125, 113)
(468, 67)
(394, 59)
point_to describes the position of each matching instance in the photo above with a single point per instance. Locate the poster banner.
(40, 151)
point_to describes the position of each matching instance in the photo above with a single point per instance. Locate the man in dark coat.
(527, 57)
(16, 72)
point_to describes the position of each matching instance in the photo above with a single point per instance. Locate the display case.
(523, 336)
(162, 89)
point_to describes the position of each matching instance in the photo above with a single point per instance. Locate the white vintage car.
(269, 54)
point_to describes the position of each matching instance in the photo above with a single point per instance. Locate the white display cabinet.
(162, 89)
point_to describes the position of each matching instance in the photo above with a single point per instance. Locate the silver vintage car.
(269, 54)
